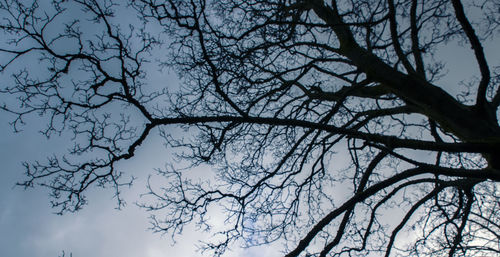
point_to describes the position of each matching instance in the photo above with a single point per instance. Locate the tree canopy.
(328, 124)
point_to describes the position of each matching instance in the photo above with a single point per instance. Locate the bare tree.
(276, 94)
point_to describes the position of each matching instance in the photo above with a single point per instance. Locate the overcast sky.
(29, 228)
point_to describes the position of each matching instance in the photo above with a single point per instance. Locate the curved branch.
(465, 217)
(478, 51)
(347, 214)
(395, 38)
(408, 216)
(417, 53)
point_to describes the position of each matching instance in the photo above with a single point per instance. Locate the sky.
(28, 226)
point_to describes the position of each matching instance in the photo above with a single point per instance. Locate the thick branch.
(395, 38)
(389, 141)
(429, 99)
(318, 227)
(478, 51)
(417, 54)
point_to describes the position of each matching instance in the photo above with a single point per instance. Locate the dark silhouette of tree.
(276, 95)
